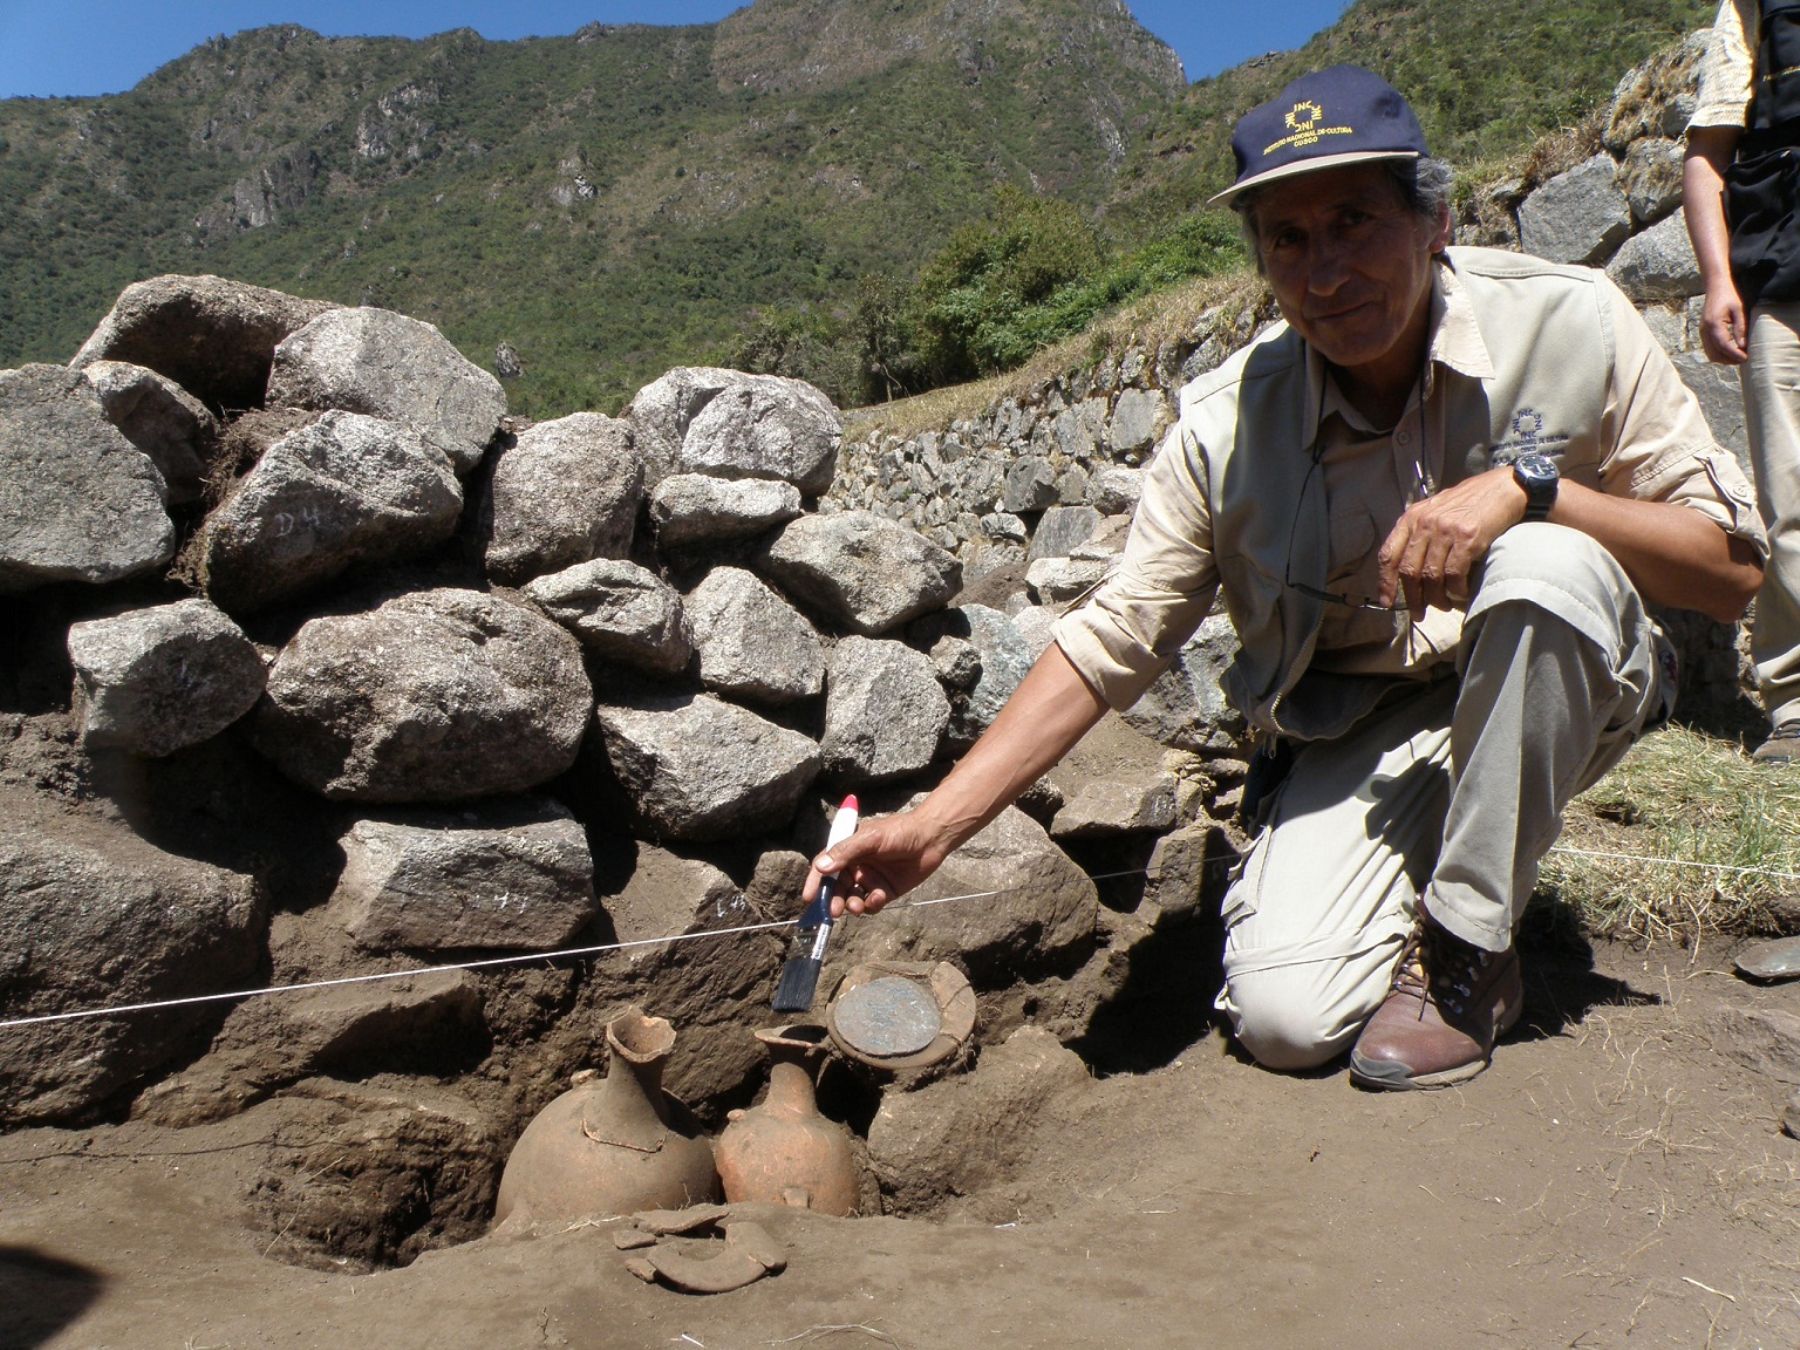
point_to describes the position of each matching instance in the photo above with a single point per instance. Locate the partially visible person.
(1742, 189)
(1438, 500)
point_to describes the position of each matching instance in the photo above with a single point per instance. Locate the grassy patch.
(1682, 799)
(1147, 322)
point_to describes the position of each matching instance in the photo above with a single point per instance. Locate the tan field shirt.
(1523, 355)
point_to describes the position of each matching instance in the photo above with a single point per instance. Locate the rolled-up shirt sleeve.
(1663, 449)
(1726, 81)
(1130, 628)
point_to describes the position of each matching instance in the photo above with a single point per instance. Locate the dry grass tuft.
(1723, 833)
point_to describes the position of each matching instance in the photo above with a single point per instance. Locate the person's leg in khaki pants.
(1453, 793)
(1772, 418)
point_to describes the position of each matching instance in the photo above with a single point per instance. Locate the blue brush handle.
(818, 913)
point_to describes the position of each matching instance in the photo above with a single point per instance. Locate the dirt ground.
(1618, 1178)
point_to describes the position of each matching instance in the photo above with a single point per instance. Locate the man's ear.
(1440, 237)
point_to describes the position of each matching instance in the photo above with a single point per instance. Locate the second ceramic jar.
(782, 1151)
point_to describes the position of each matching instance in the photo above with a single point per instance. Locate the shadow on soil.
(42, 1294)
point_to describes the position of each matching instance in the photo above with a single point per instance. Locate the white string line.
(514, 960)
(1678, 862)
(566, 952)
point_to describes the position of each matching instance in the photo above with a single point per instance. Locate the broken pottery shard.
(1776, 960)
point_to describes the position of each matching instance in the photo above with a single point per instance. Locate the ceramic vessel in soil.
(782, 1151)
(610, 1146)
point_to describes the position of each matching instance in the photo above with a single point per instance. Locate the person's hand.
(1436, 545)
(883, 860)
(1724, 331)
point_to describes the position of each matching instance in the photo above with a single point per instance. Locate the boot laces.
(1436, 967)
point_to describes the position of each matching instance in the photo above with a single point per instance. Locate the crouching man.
(1436, 501)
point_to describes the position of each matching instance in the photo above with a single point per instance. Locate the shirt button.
(1401, 438)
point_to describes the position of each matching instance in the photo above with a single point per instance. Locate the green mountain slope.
(609, 203)
(625, 199)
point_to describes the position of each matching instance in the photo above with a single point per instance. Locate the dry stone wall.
(355, 673)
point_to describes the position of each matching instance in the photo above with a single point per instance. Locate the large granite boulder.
(694, 767)
(153, 681)
(160, 418)
(1013, 905)
(388, 365)
(885, 711)
(344, 491)
(691, 509)
(860, 570)
(92, 916)
(1651, 177)
(512, 876)
(437, 695)
(1061, 530)
(215, 338)
(78, 502)
(752, 644)
(1577, 217)
(620, 611)
(769, 427)
(1658, 264)
(565, 492)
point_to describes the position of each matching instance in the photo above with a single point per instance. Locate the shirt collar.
(1455, 343)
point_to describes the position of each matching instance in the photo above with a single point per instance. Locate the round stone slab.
(888, 1017)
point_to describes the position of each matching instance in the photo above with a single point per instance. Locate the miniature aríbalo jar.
(783, 1152)
(608, 1146)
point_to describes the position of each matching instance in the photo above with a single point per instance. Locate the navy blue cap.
(1340, 115)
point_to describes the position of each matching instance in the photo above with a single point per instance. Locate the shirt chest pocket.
(1353, 568)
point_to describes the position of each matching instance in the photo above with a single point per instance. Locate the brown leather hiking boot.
(1450, 1003)
(1782, 746)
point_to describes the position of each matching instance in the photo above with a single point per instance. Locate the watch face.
(1536, 469)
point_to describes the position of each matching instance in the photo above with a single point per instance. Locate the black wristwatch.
(1538, 475)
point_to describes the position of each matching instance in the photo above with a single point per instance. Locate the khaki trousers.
(1772, 418)
(1450, 795)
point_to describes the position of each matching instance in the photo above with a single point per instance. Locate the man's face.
(1350, 265)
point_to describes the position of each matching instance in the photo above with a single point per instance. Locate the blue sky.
(50, 47)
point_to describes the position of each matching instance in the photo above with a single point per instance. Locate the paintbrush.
(800, 975)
